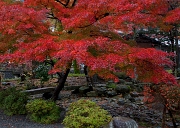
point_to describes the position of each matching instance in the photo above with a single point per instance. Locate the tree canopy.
(86, 31)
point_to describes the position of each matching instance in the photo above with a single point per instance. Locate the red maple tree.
(85, 31)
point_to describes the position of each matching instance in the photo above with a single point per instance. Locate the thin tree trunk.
(169, 110)
(61, 82)
(163, 117)
(173, 58)
(177, 56)
(172, 118)
(0, 80)
(88, 79)
(177, 48)
(170, 113)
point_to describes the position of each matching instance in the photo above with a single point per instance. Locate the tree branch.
(67, 3)
(97, 19)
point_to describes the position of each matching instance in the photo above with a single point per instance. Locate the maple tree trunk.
(177, 56)
(177, 49)
(61, 81)
(88, 79)
(163, 117)
(173, 50)
(0, 80)
(170, 113)
(165, 107)
(173, 58)
(172, 118)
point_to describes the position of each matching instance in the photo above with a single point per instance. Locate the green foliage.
(29, 85)
(13, 101)
(43, 111)
(75, 75)
(41, 72)
(111, 85)
(120, 75)
(3, 94)
(178, 72)
(86, 114)
(76, 68)
(10, 80)
(93, 51)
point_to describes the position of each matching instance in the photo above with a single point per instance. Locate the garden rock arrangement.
(118, 106)
(124, 99)
(76, 81)
(127, 89)
(136, 111)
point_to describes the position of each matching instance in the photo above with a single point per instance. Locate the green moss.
(86, 114)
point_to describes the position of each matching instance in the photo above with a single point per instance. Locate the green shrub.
(3, 94)
(43, 111)
(13, 101)
(86, 114)
(41, 72)
(120, 75)
(111, 85)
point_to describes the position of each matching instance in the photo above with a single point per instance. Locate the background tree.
(85, 31)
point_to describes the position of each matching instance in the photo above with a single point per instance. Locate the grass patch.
(75, 75)
(10, 80)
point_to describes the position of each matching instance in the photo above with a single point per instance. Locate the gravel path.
(21, 121)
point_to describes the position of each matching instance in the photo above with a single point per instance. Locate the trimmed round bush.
(13, 101)
(43, 111)
(86, 114)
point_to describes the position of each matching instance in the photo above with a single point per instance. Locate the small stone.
(113, 99)
(134, 94)
(6, 83)
(121, 101)
(129, 83)
(122, 89)
(127, 96)
(111, 93)
(84, 89)
(92, 94)
(101, 85)
(122, 81)
(132, 99)
(100, 90)
(140, 103)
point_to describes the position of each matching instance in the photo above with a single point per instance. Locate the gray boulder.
(101, 91)
(128, 96)
(121, 101)
(122, 122)
(111, 93)
(92, 94)
(122, 89)
(84, 89)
